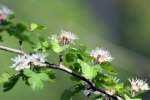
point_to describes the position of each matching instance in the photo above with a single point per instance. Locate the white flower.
(38, 58)
(101, 55)
(4, 13)
(65, 38)
(25, 61)
(21, 62)
(138, 85)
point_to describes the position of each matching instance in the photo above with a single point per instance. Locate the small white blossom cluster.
(138, 85)
(25, 61)
(4, 13)
(21, 62)
(101, 55)
(65, 38)
(38, 58)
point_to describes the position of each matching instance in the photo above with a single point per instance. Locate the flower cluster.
(21, 62)
(38, 58)
(138, 85)
(4, 13)
(100, 55)
(65, 38)
(25, 61)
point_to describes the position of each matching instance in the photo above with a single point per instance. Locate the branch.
(66, 70)
(11, 50)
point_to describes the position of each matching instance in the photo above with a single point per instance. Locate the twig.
(11, 50)
(64, 69)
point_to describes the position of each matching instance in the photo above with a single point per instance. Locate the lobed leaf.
(36, 80)
(88, 71)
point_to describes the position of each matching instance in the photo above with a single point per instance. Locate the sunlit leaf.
(34, 26)
(88, 71)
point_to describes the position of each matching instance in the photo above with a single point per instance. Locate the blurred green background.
(122, 26)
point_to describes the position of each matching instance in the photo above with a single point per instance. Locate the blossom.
(21, 62)
(38, 58)
(26, 61)
(65, 38)
(101, 55)
(138, 85)
(4, 13)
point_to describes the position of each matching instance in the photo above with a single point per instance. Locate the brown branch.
(66, 70)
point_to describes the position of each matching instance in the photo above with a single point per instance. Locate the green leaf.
(70, 57)
(128, 98)
(34, 26)
(50, 73)
(119, 87)
(11, 82)
(69, 93)
(35, 80)
(28, 72)
(45, 44)
(88, 71)
(43, 76)
(99, 98)
(4, 78)
(35, 83)
(42, 46)
(56, 47)
(108, 69)
(19, 30)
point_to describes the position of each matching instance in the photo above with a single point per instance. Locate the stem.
(11, 50)
(66, 70)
